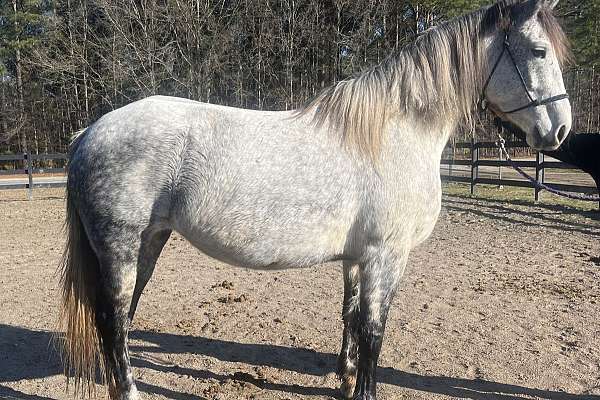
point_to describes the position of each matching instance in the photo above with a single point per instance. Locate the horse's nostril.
(562, 132)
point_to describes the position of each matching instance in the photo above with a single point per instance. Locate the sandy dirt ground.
(501, 303)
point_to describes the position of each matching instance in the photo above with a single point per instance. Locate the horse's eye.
(539, 52)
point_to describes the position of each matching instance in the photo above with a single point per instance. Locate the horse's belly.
(269, 250)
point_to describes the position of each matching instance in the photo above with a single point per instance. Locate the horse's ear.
(537, 6)
(551, 4)
(530, 8)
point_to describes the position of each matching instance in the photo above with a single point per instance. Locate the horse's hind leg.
(151, 247)
(126, 264)
(122, 252)
(112, 305)
(347, 360)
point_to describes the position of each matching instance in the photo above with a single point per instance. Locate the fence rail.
(474, 162)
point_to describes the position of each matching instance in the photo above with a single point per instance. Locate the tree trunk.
(19, 82)
(3, 121)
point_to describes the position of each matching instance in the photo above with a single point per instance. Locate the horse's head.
(525, 51)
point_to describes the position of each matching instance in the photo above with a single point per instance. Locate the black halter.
(532, 102)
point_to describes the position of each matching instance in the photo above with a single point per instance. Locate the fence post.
(500, 158)
(451, 166)
(29, 166)
(474, 168)
(539, 173)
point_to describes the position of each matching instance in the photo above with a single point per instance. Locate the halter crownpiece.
(483, 104)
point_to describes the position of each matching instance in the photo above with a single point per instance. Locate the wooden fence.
(474, 162)
(27, 161)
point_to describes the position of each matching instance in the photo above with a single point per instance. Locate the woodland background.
(64, 63)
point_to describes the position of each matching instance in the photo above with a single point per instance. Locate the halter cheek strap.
(532, 102)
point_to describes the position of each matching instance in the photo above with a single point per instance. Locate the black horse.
(580, 150)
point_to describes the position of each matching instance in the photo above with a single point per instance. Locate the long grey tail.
(81, 348)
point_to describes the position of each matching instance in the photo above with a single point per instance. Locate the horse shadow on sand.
(536, 215)
(30, 354)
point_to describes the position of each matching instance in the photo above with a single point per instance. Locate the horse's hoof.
(347, 386)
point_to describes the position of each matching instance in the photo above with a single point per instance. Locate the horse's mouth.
(544, 142)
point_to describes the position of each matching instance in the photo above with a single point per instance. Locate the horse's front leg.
(379, 276)
(348, 358)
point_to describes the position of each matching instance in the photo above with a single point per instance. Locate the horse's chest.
(426, 219)
(416, 210)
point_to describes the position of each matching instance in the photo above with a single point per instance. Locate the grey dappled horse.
(352, 176)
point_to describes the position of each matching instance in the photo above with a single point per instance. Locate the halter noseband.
(532, 102)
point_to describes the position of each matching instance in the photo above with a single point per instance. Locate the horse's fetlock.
(363, 396)
(126, 391)
(346, 365)
(347, 386)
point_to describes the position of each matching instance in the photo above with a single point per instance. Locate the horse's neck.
(418, 138)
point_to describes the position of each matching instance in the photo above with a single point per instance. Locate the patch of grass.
(516, 195)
